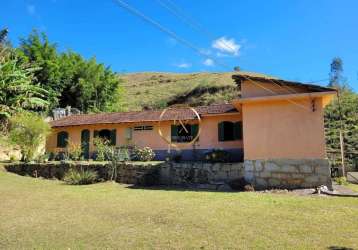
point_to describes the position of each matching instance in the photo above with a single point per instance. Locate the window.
(181, 134)
(106, 134)
(62, 139)
(141, 128)
(229, 131)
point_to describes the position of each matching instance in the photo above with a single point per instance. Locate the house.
(141, 129)
(276, 127)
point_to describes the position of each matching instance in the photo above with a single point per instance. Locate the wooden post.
(341, 133)
(342, 152)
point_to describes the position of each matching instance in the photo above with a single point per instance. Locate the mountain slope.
(157, 90)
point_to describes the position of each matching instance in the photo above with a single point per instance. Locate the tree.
(87, 85)
(336, 79)
(40, 53)
(28, 131)
(237, 68)
(17, 91)
(349, 112)
(70, 79)
(3, 35)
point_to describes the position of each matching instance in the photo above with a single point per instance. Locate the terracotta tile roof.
(141, 116)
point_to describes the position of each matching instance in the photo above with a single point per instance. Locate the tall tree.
(39, 52)
(342, 115)
(17, 91)
(70, 79)
(336, 79)
(3, 35)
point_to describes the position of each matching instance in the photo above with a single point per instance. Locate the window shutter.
(113, 137)
(128, 133)
(221, 131)
(62, 139)
(174, 132)
(194, 130)
(238, 130)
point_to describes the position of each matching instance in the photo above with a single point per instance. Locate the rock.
(274, 182)
(258, 166)
(305, 169)
(249, 166)
(260, 182)
(224, 188)
(270, 166)
(249, 188)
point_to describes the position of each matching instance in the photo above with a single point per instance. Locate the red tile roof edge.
(141, 116)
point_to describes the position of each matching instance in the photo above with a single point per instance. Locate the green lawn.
(37, 213)
(353, 187)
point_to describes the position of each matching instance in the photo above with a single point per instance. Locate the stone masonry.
(288, 173)
(188, 173)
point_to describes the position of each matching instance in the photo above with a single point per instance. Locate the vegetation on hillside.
(342, 115)
(159, 90)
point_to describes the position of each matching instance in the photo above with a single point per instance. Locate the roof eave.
(312, 87)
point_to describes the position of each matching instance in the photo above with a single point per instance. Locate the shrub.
(142, 154)
(80, 177)
(341, 180)
(74, 151)
(101, 148)
(61, 156)
(12, 158)
(217, 155)
(43, 158)
(28, 131)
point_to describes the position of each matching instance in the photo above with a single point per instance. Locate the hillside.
(158, 90)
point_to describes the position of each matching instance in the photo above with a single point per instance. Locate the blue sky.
(294, 40)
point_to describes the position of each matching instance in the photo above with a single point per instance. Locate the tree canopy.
(342, 114)
(17, 88)
(70, 79)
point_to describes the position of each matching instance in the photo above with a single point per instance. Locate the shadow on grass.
(180, 188)
(339, 248)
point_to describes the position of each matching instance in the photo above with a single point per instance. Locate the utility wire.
(188, 44)
(187, 19)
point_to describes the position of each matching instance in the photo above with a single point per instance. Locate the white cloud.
(226, 46)
(31, 9)
(208, 62)
(183, 65)
(171, 41)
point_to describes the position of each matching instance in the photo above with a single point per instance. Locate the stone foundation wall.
(263, 174)
(130, 173)
(199, 173)
(288, 173)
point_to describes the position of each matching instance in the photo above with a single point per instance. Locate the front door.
(85, 143)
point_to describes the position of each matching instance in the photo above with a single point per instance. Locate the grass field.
(47, 214)
(353, 187)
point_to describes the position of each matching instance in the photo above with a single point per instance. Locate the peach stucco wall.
(208, 137)
(250, 89)
(280, 128)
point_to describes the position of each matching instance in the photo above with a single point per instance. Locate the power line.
(187, 19)
(188, 44)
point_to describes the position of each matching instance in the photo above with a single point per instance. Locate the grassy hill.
(158, 90)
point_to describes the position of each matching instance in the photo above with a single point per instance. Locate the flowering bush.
(142, 154)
